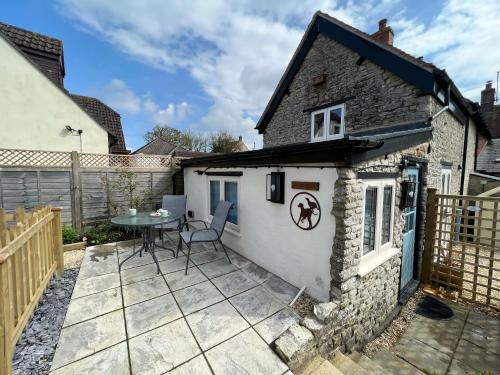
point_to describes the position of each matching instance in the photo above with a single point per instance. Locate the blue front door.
(410, 215)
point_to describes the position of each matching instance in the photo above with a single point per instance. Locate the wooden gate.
(462, 247)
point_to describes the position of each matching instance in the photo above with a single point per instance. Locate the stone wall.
(378, 97)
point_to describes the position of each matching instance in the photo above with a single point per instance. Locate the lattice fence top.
(30, 158)
(124, 161)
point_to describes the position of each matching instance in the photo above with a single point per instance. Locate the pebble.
(36, 347)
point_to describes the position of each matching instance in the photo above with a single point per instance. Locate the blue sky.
(214, 64)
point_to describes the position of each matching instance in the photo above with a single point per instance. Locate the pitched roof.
(32, 40)
(487, 160)
(157, 146)
(414, 70)
(106, 117)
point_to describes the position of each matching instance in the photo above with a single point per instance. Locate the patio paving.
(219, 319)
(469, 343)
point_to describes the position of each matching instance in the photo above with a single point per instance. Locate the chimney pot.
(385, 34)
(240, 138)
(488, 84)
(382, 24)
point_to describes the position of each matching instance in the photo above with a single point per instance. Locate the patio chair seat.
(204, 235)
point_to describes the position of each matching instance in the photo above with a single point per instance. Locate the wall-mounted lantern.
(275, 187)
(408, 197)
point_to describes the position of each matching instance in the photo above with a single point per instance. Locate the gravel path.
(35, 349)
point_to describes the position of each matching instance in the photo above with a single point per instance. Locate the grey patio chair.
(177, 205)
(211, 233)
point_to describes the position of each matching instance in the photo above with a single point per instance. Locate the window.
(228, 192)
(445, 186)
(327, 123)
(378, 215)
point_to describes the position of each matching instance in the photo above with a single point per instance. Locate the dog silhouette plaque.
(305, 211)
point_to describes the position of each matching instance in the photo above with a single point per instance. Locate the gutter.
(464, 155)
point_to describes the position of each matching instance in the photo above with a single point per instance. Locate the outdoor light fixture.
(75, 132)
(408, 197)
(275, 187)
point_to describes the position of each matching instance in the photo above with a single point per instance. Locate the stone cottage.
(354, 134)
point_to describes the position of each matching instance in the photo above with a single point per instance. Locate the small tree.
(125, 183)
(223, 142)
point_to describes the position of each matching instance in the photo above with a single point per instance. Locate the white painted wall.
(267, 235)
(34, 111)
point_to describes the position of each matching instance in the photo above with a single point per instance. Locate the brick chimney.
(385, 34)
(490, 112)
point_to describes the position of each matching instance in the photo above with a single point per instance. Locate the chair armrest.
(197, 221)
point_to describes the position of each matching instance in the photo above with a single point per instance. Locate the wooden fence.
(74, 181)
(30, 253)
(462, 247)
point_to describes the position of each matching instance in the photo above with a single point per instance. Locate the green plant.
(126, 184)
(70, 235)
(102, 233)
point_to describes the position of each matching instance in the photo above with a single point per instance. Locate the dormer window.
(327, 123)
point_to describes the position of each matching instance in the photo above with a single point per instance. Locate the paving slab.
(257, 273)
(238, 260)
(282, 290)
(86, 338)
(395, 365)
(217, 268)
(246, 354)
(486, 338)
(113, 360)
(133, 275)
(89, 307)
(162, 349)
(207, 256)
(178, 280)
(421, 355)
(96, 284)
(477, 357)
(256, 304)
(215, 324)
(151, 314)
(234, 283)
(92, 268)
(271, 328)
(176, 264)
(144, 290)
(197, 297)
(196, 366)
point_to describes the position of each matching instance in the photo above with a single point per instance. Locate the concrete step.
(393, 364)
(347, 366)
(371, 366)
(320, 366)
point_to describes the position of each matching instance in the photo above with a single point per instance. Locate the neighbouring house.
(240, 146)
(37, 109)
(354, 134)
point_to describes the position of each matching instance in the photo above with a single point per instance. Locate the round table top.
(142, 219)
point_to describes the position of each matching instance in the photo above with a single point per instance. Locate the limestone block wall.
(375, 97)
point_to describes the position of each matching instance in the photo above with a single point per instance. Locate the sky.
(212, 65)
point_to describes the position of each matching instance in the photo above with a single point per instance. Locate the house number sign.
(305, 211)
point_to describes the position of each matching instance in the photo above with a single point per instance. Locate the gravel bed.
(73, 259)
(304, 305)
(36, 347)
(397, 327)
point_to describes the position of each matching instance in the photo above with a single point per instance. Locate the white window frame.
(222, 180)
(326, 115)
(381, 252)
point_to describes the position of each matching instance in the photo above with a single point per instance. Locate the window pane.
(386, 214)
(370, 217)
(319, 125)
(231, 194)
(335, 121)
(214, 195)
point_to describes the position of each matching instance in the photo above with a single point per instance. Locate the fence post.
(6, 322)
(430, 236)
(76, 196)
(57, 238)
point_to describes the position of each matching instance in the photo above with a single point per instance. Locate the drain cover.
(433, 308)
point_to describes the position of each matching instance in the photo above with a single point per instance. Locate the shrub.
(102, 233)
(70, 235)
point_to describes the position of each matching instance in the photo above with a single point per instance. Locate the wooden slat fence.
(462, 248)
(30, 253)
(73, 181)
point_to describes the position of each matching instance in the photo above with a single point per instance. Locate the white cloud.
(118, 96)
(237, 51)
(171, 114)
